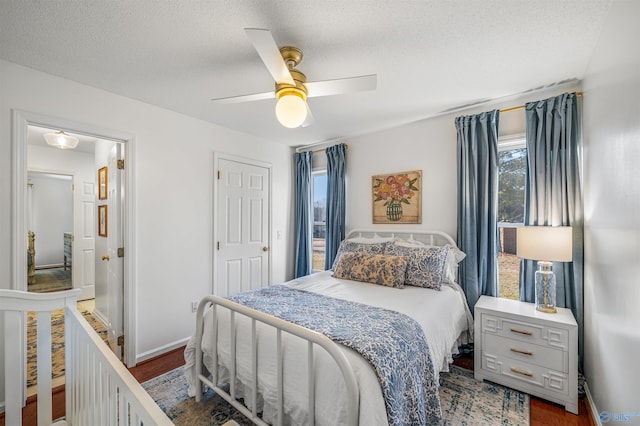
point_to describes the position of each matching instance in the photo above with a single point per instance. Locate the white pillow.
(454, 257)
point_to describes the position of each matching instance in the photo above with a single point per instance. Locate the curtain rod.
(321, 149)
(515, 108)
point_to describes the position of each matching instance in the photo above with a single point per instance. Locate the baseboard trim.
(161, 350)
(52, 266)
(595, 414)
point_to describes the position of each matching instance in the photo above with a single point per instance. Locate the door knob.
(265, 248)
(105, 257)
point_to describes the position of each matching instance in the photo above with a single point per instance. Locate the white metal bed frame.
(99, 390)
(435, 238)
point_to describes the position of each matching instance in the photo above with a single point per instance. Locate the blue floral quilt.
(393, 343)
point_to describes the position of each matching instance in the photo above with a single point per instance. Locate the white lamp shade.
(291, 111)
(547, 243)
(61, 140)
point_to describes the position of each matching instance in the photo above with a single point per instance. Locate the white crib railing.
(99, 390)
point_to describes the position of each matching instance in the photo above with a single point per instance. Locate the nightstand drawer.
(543, 356)
(526, 332)
(516, 371)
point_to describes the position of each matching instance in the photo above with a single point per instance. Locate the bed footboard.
(312, 338)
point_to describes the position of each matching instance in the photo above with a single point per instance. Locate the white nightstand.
(527, 350)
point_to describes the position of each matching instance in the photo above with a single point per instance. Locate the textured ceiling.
(429, 55)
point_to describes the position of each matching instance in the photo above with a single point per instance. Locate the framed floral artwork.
(397, 197)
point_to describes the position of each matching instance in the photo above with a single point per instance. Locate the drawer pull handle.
(521, 351)
(515, 330)
(524, 373)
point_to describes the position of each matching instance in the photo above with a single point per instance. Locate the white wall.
(52, 216)
(173, 194)
(612, 215)
(431, 146)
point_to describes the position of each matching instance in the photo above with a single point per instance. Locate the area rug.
(48, 280)
(57, 343)
(464, 402)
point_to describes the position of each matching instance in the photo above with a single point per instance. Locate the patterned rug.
(464, 402)
(54, 279)
(57, 343)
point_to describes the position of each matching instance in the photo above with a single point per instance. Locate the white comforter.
(443, 315)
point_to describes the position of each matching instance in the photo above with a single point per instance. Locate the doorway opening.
(31, 154)
(50, 230)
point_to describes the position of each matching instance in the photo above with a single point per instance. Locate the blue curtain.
(478, 204)
(303, 213)
(336, 202)
(553, 194)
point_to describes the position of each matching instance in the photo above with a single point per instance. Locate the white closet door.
(242, 245)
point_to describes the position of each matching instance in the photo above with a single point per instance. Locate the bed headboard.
(434, 238)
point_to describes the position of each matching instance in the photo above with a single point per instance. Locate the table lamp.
(546, 244)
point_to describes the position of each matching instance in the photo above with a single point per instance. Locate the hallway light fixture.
(61, 140)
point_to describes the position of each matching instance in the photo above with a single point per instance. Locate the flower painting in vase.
(396, 197)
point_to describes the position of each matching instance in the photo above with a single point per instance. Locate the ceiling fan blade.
(342, 85)
(244, 98)
(309, 120)
(266, 47)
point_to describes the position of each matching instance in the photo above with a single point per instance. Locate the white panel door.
(115, 266)
(242, 244)
(84, 235)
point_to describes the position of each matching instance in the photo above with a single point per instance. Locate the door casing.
(20, 122)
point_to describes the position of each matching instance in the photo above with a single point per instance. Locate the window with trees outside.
(512, 165)
(319, 197)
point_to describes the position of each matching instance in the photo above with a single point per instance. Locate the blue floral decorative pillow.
(372, 268)
(425, 265)
(349, 246)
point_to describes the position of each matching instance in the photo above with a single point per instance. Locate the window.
(319, 197)
(512, 166)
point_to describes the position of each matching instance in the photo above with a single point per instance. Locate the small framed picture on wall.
(102, 221)
(102, 183)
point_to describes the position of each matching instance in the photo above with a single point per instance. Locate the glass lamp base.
(545, 288)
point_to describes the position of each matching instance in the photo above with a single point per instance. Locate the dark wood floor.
(542, 412)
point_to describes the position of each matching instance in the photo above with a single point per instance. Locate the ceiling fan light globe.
(61, 140)
(291, 111)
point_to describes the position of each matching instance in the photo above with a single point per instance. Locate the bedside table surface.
(515, 307)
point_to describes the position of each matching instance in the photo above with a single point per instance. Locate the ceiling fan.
(292, 89)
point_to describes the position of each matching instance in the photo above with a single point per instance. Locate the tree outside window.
(512, 164)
